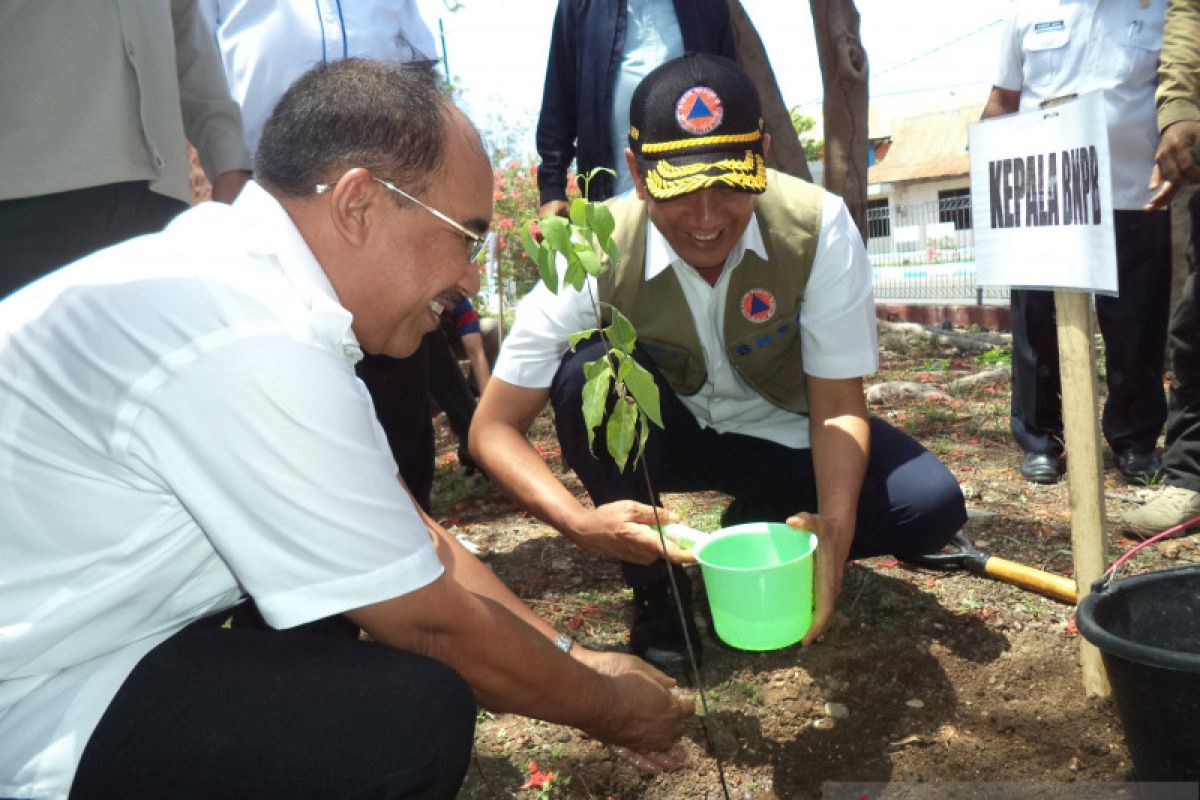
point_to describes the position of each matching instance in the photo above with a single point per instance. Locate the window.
(954, 206)
(879, 219)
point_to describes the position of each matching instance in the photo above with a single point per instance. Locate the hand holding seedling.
(624, 529)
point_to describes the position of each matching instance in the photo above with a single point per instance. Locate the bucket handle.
(684, 536)
(1102, 582)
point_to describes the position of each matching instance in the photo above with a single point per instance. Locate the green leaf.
(614, 252)
(595, 398)
(576, 275)
(621, 332)
(577, 337)
(556, 231)
(641, 386)
(601, 221)
(541, 256)
(643, 435)
(621, 429)
(579, 212)
(591, 262)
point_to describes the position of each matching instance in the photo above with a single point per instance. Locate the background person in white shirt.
(863, 486)
(1052, 49)
(180, 427)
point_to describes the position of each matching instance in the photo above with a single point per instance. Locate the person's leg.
(1134, 326)
(280, 714)
(41, 234)
(448, 386)
(1036, 409)
(1179, 501)
(400, 393)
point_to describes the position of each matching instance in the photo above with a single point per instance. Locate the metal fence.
(925, 252)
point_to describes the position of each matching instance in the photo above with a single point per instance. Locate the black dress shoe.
(1139, 468)
(1041, 467)
(656, 636)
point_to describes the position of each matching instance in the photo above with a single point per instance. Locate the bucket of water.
(1147, 629)
(759, 581)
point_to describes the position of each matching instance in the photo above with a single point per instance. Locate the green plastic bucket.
(759, 581)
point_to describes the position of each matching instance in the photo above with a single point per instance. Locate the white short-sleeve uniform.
(837, 328)
(180, 426)
(1054, 48)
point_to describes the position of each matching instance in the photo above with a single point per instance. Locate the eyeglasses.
(478, 243)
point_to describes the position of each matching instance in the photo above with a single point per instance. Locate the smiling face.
(703, 226)
(419, 260)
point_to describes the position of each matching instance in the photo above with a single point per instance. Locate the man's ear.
(353, 205)
(639, 185)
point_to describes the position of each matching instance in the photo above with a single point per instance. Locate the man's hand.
(647, 716)
(625, 529)
(227, 185)
(833, 545)
(555, 208)
(1174, 163)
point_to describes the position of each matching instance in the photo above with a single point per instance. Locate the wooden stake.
(1077, 363)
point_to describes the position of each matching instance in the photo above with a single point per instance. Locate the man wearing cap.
(751, 295)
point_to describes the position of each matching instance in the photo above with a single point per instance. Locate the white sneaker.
(1170, 507)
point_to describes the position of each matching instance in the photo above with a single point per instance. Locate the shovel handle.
(1058, 587)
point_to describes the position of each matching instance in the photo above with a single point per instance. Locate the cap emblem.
(699, 111)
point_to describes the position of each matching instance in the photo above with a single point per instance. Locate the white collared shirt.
(265, 44)
(837, 327)
(180, 425)
(1054, 48)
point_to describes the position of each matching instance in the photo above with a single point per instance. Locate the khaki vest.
(761, 342)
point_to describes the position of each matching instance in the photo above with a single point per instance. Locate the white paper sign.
(1041, 199)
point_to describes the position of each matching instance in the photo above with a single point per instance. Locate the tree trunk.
(786, 154)
(844, 76)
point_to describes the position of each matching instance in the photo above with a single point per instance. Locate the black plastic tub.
(1147, 629)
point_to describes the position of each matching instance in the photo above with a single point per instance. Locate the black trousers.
(1181, 457)
(399, 388)
(1134, 327)
(41, 234)
(305, 713)
(449, 387)
(909, 504)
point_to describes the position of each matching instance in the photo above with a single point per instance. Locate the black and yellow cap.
(696, 122)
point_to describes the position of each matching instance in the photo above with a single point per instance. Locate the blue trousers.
(909, 503)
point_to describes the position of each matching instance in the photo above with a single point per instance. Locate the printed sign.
(1041, 199)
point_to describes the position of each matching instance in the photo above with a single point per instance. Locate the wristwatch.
(564, 643)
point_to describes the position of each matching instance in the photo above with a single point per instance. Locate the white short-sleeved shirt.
(1054, 48)
(265, 44)
(180, 425)
(837, 328)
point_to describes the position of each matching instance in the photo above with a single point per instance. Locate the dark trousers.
(1134, 327)
(448, 386)
(910, 503)
(399, 388)
(246, 713)
(41, 234)
(1181, 457)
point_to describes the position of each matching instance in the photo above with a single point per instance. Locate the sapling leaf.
(579, 212)
(613, 251)
(578, 336)
(642, 388)
(591, 263)
(621, 332)
(575, 274)
(542, 256)
(620, 431)
(643, 436)
(556, 232)
(601, 221)
(595, 398)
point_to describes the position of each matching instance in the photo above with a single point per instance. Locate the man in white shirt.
(180, 427)
(1050, 51)
(765, 300)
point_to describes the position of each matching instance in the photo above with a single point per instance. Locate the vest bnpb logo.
(758, 305)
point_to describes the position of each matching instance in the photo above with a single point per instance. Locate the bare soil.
(925, 676)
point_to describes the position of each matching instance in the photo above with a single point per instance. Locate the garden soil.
(924, 677)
